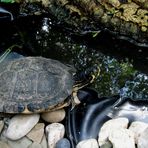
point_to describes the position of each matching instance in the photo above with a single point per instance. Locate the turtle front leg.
(74, 100)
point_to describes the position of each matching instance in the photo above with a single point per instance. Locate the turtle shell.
(33, 84)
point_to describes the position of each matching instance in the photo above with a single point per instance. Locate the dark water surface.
(124, 67)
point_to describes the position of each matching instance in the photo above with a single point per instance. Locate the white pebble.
(20, 125)
(44, 142)
(137, 128)
(54, 133)
(89, 143)
(108, 127)
(122, 138)
(143, 139)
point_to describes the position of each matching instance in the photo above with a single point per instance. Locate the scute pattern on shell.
(33, 83)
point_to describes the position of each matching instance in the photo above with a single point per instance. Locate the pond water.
(124, 67)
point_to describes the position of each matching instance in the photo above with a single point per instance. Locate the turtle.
(38, 84)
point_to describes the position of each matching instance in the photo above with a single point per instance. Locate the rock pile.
(33, 131)
(115, 133)
(30, 131)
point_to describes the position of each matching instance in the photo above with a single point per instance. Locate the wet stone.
(54, 133)
(20, 125)
(54, 116)
(63, 143)
(36, 134)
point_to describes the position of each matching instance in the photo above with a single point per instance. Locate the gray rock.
(36, 134)
(20, 125)
(21, 143)
(35, 145)
(63, 143)
(4, 145)
(1, 125)
(54, 116)
(44, 142)
(2, 136)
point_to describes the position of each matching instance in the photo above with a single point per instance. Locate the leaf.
(7, 1)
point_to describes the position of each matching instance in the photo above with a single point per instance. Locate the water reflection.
(137, 88)
(118, 76)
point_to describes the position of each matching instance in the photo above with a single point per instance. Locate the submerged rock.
(20, 125)
(54, 133)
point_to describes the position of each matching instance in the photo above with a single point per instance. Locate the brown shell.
(33, 84)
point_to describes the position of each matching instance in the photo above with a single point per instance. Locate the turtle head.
(82, 79)
(86, 77)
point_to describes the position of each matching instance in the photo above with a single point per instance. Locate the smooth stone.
(21, 143)
(54, 132)
(35, 145)
(122, 138)
(1, 125)
(137, 128)
(63, 143)
(2, 136)
(20, 125)
(54, 116)
(89, 143)
(108, 127)
(142, 141)
(36, 134)
(44, 142)
(4, 145)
